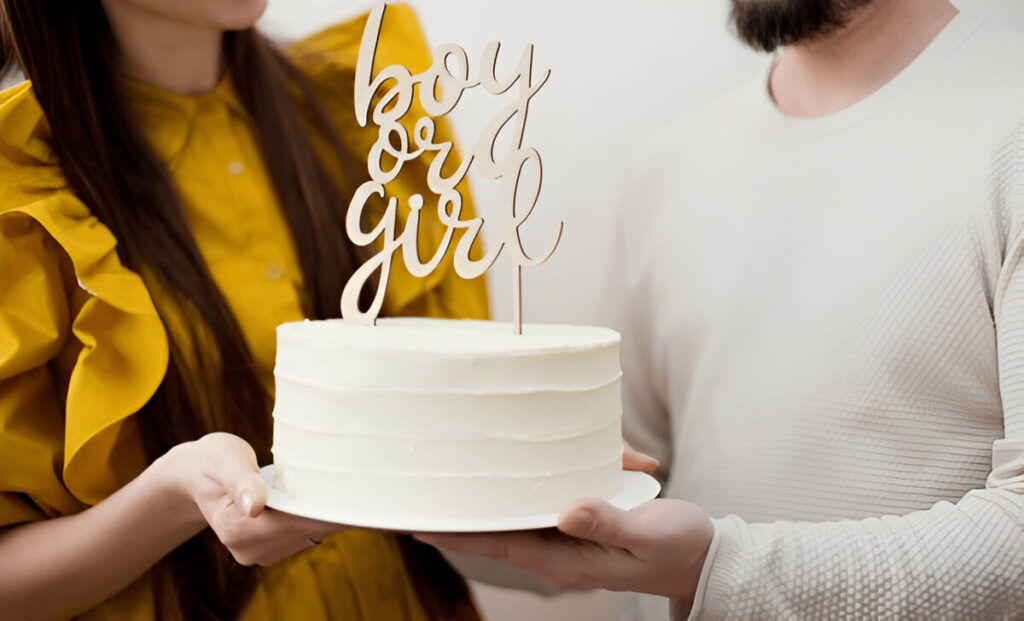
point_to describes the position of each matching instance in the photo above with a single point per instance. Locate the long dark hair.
(67, 46)
(7, 54)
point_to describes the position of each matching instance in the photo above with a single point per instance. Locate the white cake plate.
(637, 488)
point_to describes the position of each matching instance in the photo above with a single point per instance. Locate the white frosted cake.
(446, 418)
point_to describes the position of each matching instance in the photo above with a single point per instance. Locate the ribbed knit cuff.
(719, 579)
(676, 611)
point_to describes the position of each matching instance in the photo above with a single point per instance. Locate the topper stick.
(517, 300)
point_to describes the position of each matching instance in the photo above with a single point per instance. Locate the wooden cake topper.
(440, 88)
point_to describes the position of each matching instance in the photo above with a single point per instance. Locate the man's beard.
(767, 24)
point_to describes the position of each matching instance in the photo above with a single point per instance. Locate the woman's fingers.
(233, 466)
(269, 537)
(251, 494)
(225, 483)
(260, 540)
(314, 529)
(633, 459)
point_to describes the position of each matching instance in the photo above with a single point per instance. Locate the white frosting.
(446, 418)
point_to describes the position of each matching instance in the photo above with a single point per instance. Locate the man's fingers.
(488, 545)
(523, 549)
(633, 459)
(589, 519)
(597, 521)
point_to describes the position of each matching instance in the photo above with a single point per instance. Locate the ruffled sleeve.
(33, 326)
(329, 58)
(75, 364)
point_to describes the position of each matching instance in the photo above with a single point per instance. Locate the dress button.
(274, 271)
(235, 167)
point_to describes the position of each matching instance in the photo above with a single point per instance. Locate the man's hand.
(657, 548)
(633, 459)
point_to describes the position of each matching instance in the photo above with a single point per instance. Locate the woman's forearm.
(60, 567)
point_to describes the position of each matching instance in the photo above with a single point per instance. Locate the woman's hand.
(219, 475)
(87, 557)
(657, 548)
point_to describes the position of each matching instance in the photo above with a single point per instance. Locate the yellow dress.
(82, 347)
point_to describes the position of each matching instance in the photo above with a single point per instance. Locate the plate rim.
(635, 489)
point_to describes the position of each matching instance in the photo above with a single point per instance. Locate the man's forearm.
(951, 561)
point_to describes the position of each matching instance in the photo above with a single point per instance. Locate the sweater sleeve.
(955, 560)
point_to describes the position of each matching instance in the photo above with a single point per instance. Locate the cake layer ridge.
(509, 390)
(383, 412)
(465, 356)
(465, 454)
(445, 496)
(410, 334)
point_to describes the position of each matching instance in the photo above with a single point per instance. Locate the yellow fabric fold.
(33, 325)
(124, 346)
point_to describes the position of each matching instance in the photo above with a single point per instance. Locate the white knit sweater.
(823, 339)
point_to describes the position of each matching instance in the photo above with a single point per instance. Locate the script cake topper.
(440, 88)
